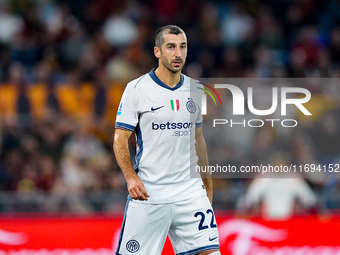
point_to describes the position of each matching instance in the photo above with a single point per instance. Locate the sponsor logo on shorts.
(132, 246)
(191, 107)
(212, 239)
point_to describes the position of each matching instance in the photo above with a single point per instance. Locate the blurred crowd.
(59, 52)
(53, 38)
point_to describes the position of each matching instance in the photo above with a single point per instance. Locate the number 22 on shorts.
(201, 226)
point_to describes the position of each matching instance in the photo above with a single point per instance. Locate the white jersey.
(164, 120)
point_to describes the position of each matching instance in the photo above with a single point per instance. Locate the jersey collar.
(162, 84)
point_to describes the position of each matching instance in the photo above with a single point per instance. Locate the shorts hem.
(195, 251)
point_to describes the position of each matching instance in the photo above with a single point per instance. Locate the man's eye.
(170, 47)
(184, 46)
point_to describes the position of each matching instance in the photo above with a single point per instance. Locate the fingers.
(142, 189)
(139, 193)
(133, 194)
(136, 189)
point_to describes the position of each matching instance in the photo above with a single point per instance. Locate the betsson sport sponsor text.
(181, 128)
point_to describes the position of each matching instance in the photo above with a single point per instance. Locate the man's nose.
(178, 52)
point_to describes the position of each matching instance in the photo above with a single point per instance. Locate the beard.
(169, 64)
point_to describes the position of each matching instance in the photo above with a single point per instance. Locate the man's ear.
(157, 52)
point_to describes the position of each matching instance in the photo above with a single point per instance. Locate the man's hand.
(136, 188)
(121, 148)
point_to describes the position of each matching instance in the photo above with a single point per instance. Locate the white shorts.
(190, 224)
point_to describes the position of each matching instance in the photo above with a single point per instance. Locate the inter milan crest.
(174, 105)
(132, 246)
(191, 107)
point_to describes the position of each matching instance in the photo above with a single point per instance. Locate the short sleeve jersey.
(164, 120)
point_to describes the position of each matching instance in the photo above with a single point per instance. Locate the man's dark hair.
(172, 29)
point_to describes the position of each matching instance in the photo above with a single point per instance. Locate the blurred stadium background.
(65, 64)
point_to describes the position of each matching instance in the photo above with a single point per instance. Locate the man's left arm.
(201, 151)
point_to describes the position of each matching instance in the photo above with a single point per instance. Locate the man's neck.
(167, 77)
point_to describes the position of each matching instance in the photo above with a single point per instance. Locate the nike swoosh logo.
(212, 239)
(154, 109)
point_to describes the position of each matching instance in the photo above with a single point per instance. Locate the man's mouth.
(177, 62)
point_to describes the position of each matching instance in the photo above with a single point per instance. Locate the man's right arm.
(121, 149)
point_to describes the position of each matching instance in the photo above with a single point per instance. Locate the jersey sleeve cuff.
(200, 124)
(124, 126)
